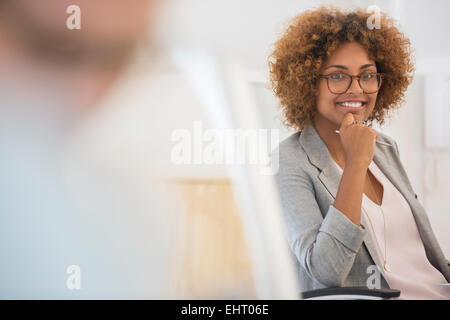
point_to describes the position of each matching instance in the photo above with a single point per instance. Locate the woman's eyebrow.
(336, 66)
(367, 65)
(344, 67)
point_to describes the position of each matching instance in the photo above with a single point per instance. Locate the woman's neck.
(327, 132)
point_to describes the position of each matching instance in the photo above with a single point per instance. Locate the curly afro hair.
(312, 36)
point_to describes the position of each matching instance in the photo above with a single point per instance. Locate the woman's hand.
(358, 141)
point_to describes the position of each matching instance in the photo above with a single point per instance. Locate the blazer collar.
(330, 176)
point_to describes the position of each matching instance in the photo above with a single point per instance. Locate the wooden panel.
(215, 261)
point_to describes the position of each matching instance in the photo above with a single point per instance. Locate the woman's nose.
(354, 86)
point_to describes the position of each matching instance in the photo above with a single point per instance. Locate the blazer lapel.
(330, 177)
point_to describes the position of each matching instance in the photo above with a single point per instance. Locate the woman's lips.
(351, 105)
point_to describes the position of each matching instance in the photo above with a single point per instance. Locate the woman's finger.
(348, 120)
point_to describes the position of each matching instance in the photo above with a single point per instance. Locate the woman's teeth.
(351, 104)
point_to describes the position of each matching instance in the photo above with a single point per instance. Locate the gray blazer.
(329, 249)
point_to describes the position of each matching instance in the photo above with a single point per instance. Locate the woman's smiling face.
(352, 59)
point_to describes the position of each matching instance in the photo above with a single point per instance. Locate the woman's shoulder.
(290, 153)
(385, 137)
(388, 142)
(291, 143)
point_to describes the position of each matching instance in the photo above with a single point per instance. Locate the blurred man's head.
(109, 29)
(38, 49)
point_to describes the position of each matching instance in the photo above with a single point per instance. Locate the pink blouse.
(410, 270)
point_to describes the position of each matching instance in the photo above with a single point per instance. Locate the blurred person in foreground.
(71, 227)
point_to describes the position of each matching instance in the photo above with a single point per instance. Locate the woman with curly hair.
(348, 202)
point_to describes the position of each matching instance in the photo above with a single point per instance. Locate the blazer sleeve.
(325, 247)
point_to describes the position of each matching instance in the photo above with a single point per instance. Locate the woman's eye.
(336, 76)
(367, 76)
